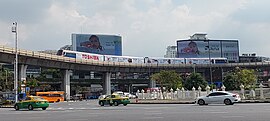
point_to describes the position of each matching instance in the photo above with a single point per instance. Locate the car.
(125, 94)
(113, 99)
(130, 96)
(218, 97)
(31, 102)
(119, 93)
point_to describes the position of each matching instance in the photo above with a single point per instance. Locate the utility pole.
(14, 30)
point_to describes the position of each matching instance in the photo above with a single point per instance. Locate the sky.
(147, 27)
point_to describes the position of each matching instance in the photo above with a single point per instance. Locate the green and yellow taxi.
(113, 99)
(31, 102)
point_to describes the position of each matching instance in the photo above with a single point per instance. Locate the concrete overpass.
(26, 57)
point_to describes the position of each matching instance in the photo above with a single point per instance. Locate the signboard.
(203, 48)
(230, 50)
(98, 44)
(198, 49)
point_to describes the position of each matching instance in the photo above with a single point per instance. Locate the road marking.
(153, 117)
(232, 116)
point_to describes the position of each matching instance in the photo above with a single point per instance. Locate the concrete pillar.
(261, 91)
(22, 77)
(106, 83)
(142, 94)
(22, 73)
(183, 93)
(207, 89)
(223, 88)
(66, 83)
(171, 91)
(199, 91)
(178, 93)
(252, 94)
(194, 93)
(152, 84)
(242, 87)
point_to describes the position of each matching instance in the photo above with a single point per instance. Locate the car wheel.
(115, 103)
(58, 100)
(201, 102)
(125, 104)
(43, 108)
(227, 102)
(101, 103)
(30, 107)
(16, 107)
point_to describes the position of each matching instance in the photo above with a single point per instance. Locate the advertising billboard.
(201, 49)
(230, 50)
(98, 44)
(198, 49)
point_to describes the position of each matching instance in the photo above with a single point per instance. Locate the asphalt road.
(90, 111)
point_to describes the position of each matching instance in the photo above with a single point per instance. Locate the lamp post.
(14, 30)
(210, 64)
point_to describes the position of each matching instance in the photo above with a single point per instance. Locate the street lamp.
(210, 64)
(14, 30)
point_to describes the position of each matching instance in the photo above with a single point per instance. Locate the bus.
(52, 96)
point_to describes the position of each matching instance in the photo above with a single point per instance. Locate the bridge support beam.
(66, 83)
(106, 83)
(152, 84)
(22, 77)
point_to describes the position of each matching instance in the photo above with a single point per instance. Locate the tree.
(32, 83)
(233, 80)
(168, 79)
(247, 77)
(195, 80)
(230, 82)
(6, 79)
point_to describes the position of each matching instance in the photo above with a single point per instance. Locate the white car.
(218, 97)
(125, 94)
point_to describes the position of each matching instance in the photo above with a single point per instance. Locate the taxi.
(113, 99)
(32, 102)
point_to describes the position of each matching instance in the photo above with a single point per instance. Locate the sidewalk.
(187, 101)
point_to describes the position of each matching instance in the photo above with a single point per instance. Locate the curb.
(193, 102)
(162, 103)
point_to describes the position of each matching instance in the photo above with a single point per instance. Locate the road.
(90, 111)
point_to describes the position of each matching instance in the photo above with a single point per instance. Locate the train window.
(72, 55)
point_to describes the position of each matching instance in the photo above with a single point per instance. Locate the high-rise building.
(171, 52)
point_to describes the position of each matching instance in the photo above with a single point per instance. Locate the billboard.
(98, 44)
(202, 49)
(198, 49)
(230, 50)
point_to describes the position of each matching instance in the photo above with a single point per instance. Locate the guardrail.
(22, 52)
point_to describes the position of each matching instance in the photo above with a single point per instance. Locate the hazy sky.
(146, 26)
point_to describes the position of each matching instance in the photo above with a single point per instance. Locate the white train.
(138, 60)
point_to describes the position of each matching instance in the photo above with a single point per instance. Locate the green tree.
(168, 79)
(6, 79)
(32, 83)
(233, 80)
(195, 80)
(247, 77)
(230, 82)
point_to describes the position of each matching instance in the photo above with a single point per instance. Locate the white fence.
(182, 94)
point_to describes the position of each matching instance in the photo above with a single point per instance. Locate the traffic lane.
(156, 112)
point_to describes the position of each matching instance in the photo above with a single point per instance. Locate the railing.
(182, 94)
(5, 49)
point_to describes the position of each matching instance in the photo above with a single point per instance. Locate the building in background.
(198, 47)
(171, 52)
(248, 58)
(98, 44)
